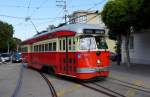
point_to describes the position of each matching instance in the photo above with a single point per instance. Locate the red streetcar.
(76, 50)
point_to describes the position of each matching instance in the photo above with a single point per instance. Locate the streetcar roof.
(77, 28)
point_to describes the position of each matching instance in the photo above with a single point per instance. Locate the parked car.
(113, 56)
(5, 57)
(16, 57)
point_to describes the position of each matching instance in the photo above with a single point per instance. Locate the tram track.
(101, 88)
(129, 85)
(98, 88)
(52, 89)
(19, 82)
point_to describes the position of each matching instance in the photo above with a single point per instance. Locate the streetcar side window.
(42, 47)
(50, 47)
(37, 48)
(60, 46)
(24, 49)
(34, 48)
(69, 44)
(46, 47)
(73, 43)
(54, 46)
(64, 44)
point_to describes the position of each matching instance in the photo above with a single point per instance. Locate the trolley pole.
(29, 19)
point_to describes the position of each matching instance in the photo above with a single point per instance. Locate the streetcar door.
(64, 55)
(67, 57)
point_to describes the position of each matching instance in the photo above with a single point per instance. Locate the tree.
(120, 16)
(6, 33)
(15, 44)
(144, 15)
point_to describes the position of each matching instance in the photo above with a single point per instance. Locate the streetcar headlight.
(98, 61)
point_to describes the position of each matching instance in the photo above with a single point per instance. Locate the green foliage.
(6, 33)
(120, 15)
(15, 43)
(144, 15)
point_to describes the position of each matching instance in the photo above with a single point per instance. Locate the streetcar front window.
(101, 42)
(87, 43)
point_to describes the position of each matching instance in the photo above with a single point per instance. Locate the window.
(46, 47)
(54, 46)
(50, 47)
(60, 48)
(69, 44)
(37, 48)
(131, 42)
(64, 44)
(43, 48)
(24, 49)
(40, 48)
(73, 44)
(34, 48)
(101, 42)
(87, 43)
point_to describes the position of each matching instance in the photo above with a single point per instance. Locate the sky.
(41, 12)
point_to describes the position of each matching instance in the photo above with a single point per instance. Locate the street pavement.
(33, 84)
(138, 74)
(8, 78)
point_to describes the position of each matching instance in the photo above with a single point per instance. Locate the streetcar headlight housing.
(98, 61)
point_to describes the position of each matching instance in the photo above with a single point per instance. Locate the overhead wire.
(12, 16)
(96, 4)
(39, 7)
(28, 7)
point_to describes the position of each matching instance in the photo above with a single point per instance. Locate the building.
(88, 17)
(91, 17)
(139, 46)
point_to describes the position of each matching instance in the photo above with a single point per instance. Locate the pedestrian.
(118, 59)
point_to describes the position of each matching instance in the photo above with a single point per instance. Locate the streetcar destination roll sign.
(93, 31)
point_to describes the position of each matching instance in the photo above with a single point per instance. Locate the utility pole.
(63, 4)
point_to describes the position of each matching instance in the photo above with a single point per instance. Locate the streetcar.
(75, 50)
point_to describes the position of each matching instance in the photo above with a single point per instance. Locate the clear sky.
(41, 12)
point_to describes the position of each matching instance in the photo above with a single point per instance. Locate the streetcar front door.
(67, 56)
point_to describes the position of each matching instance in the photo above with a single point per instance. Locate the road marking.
(70, 89)
(131, 92)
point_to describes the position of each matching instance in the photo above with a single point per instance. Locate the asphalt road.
(33, 85)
